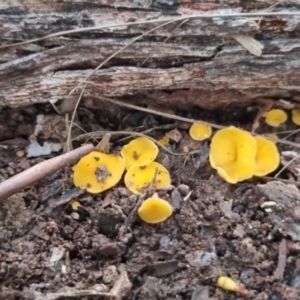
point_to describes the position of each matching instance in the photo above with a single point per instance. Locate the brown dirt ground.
(220, 229)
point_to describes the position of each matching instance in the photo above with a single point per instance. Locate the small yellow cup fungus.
(138, 178)
(232, 154)
(155, 210)
(267, 157)
(140, 151)
(164, 140)
(200, 132)
(97, 171)
(228, 284)
(275, 117)
(296, 116)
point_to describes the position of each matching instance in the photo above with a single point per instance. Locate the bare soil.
(50, 251)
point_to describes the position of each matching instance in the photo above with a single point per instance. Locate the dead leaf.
(249, 43)
(174, 135)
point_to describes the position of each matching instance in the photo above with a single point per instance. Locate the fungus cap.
(275, 117)
(97, 171)
(232, 154)
(200, 132)
(155, 210)
(267, 157)
(140, 151)
(138, 178)
(296, 116)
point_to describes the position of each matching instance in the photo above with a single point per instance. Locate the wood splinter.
(40, 171)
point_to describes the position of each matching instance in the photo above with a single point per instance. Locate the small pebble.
(176, 199)
(164, 241)
(201, 293)
(110, 274)
(75, 215)
(183, 189)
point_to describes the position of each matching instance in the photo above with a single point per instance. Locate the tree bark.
(199, 65)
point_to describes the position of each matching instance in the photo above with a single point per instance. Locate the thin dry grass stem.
(117, 292)
(289, 163)
(161, 127)
(155, 112)
(87, 133)
(291, 133)
(40, 171)
(116, 53)
(280, 132)
(99, 134)
(68, 145)
(173, 19)
(171, 34)
(278, 273)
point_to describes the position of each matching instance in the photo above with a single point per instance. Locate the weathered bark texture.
(199, 65)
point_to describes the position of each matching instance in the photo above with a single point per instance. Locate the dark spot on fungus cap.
(96, 158)
(140, 151)
(102, 173)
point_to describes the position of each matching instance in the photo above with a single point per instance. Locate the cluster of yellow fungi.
(98, 171)
(237, 155)
(276, 117)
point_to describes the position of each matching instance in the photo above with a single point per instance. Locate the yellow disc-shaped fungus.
(267, 157)
(140, 151)
(296, 116)
(232, 154)
(138, 178)
(200, 132)
(97, 171)
(275, 117)
(155, 210)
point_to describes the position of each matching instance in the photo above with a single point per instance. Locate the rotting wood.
(198, 66)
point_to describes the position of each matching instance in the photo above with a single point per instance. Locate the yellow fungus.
(79, 209)
(200, 132)
(164, 140)
(275, 117)
(155, 210)
(75, 204)
(140, 151)
(267, 157)
(232, 154)
(296, 116)
(226, 283)
(97, 171)
(138, 178)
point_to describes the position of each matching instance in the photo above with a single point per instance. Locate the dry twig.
(278, 274)
(155, 112)
(119, 290)
(40, 171)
